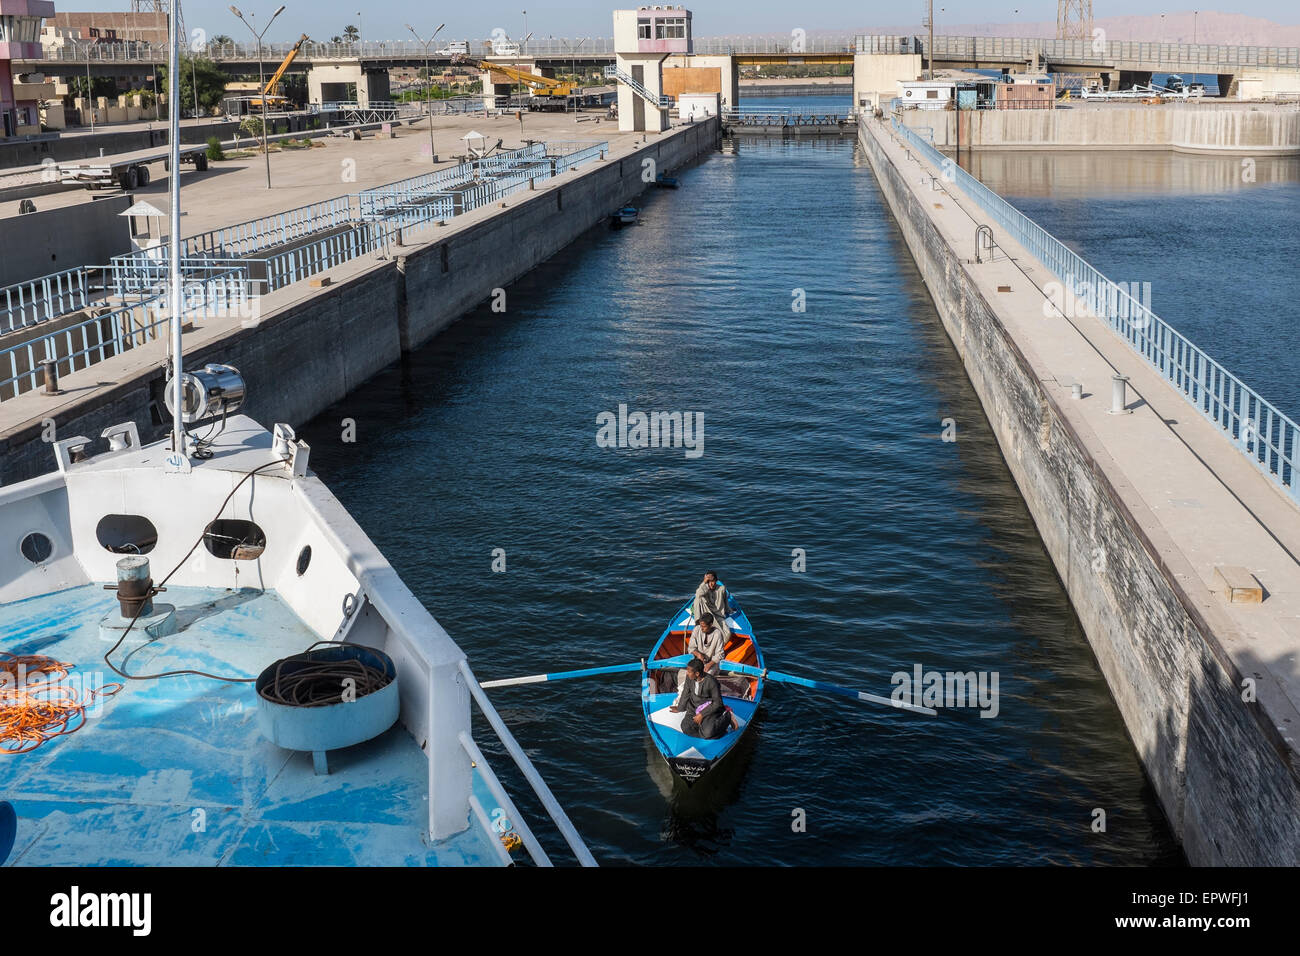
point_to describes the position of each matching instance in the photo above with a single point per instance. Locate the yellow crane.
(271, 91)
(541, 86)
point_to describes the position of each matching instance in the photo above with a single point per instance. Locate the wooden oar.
(822, 685)
(588, 672)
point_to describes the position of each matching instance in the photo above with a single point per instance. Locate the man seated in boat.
(707, 645)
(705, 714)
(712, 598)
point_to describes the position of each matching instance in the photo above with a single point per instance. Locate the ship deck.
(176, 772)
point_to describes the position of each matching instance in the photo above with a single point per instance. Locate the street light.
(261, 78)
(1194, 12)
(573, 59)
(428, 83)
(194, 82)
(90, 92)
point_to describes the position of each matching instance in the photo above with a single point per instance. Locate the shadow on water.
(694, 815)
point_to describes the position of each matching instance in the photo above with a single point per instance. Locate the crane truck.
(546, 93)
(271, 97)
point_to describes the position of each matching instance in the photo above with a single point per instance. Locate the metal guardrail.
(116, 329)
(784, 117)
(243, 254)
(612, 72)
(544, 794)
(1256, 428)
(40, 300)
(246, 238)
(1175, 57)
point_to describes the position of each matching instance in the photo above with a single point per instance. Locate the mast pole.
(174, 239)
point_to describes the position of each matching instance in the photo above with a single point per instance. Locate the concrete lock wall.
(1257, 130)
(1223, 777)
(17, 153)
(311, 354)
(63, 238)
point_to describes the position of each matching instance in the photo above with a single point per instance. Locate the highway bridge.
(1119, 59)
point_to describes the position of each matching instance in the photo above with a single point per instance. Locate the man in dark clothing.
(701, 698)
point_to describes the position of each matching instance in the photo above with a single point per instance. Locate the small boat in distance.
(624, 217)
(690, 757)
(664, 181)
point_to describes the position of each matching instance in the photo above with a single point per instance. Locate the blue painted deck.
(126, 788)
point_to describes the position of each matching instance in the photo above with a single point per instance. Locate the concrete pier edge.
(1225, 772)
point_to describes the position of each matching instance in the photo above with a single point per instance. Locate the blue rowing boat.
(690, 757)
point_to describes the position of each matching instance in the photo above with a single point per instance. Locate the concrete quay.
(1139, 512)
(305, 346)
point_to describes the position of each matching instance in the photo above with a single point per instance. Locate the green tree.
(220, 40)
(209, 77)
(351, 34)
(100, 86)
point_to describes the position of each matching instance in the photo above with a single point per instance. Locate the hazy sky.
(384, 20)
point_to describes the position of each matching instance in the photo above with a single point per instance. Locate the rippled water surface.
(1211, 241)
(821, 433)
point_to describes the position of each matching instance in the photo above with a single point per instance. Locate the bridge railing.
(1173, 57)
(1256, 428)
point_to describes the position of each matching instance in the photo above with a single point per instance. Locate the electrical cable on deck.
(36, 705)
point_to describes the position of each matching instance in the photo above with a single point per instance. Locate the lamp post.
(1194, 13)
(90, 97)
(194, 82)
(428, 82)
(573, 60)
(261, 78)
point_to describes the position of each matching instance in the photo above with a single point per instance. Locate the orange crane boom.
(543, 84)
(270, 91)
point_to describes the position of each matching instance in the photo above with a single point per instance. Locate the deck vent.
(234, 539)
(126, 534)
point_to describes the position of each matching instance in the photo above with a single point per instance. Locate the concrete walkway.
(1199, 502)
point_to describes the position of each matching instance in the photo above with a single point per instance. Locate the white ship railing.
(544, 794)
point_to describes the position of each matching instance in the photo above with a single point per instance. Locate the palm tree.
(351, 33)
(221, 40)
(336, 39)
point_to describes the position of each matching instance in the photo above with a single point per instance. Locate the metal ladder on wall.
(612, 72)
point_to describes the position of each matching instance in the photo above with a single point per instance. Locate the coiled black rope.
(317, 683)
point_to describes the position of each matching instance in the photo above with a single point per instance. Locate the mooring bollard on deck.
(1119, 395)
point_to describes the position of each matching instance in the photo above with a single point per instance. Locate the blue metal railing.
(40, 300)
(353, 226)
(246, 238)
(1256, 427)
(115, 330)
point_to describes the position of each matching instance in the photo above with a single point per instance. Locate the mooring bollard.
(51, 369)
(1118, 396)
(1076, 390)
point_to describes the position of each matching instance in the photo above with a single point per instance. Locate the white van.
(454, 47)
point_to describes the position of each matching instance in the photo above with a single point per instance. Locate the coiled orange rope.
(36, 705)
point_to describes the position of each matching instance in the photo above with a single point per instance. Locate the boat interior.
(739, 650)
